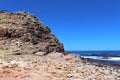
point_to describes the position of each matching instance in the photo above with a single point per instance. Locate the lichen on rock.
(23, 33)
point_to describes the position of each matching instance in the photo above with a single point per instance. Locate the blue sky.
(79, 24)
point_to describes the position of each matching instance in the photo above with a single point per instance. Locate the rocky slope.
(54, 66)
(23, 33)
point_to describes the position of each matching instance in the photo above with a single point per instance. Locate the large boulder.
(23, 33)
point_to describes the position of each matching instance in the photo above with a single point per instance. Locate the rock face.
(23, 33)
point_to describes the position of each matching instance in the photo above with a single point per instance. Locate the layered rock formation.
(23, 33)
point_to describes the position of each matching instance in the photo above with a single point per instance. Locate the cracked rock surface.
(23, 33)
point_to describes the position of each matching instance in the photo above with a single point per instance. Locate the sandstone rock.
(24, 31)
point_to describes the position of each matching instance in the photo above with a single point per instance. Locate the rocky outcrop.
(23, 33)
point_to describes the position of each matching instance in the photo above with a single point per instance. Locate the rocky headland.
(29, 51)
(23, 33)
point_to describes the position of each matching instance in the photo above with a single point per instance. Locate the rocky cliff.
(23, 33)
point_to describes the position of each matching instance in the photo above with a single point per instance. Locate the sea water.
(108, 57)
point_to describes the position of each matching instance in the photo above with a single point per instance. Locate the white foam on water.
(102, 58)
(114, 58)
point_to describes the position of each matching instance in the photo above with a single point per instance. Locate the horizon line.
(92, 50)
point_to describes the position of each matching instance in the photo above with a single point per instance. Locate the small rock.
(69, 75)
(40, 53)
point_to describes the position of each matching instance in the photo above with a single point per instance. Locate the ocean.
(107, 57)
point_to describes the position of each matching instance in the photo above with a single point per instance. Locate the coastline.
(111, 58)
(100, 63)
(53, 66)
(29, 51)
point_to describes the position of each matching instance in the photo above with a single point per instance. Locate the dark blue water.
(97, 53)
(108, 57)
